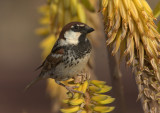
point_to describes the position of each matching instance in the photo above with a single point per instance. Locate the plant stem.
(117, 84)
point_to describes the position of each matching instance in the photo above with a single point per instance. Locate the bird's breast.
(71, 66)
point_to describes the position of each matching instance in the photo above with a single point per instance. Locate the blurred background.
(20, 55)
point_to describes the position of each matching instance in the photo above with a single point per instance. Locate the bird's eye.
(76, 27)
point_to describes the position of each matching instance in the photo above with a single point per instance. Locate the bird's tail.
(32, 83)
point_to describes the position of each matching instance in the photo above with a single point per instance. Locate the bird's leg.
(70, 89)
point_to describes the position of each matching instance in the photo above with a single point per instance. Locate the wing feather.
(53, 59)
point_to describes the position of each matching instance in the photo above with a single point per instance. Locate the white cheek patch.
(72, 37)
(62, 42)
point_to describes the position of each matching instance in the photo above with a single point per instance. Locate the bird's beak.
(89, 29)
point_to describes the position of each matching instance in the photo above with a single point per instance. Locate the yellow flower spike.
(44, 10)
(104, 3)
(127, 4)
(83, 111)
(55, 1)
(99, 97)
(116, 4)
(110, 13)
(74, 8)
(66, 101)
(53, 10)
(150, 51)
(131, 24)
(103, 109)
(147, 7)
(88, 5)
(47, 45)
(84, 86)
(79, 87)
(139, 43)
(117, 23)
(60, 16)
(112, 38)
(136, 37)
(42, 31)
(76, 101)
(66, 4)
(124, 31)
(98, 83)
(150, 34)
(128, 44)
(138, 4)
(104, 89)
(105, 15)
(83, 100)
(140, 27)
(91, 88)
(153, 47)
(122, 11)
(131, 52)
(134, 11)
(81, 14)
(106, 101)
(154, 65)
(70, 109)
(76, 95)
(67, 17)
(117, 43)
(94, 88)
(44, 21)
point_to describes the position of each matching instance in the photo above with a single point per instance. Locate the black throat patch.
(83, 47)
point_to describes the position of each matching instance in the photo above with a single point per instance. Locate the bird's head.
(74, 32)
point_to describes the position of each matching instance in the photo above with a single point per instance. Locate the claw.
(73, 87)
(69, 88)
(72, 91)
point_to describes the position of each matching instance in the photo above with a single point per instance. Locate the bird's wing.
(53, 59)
(54, 50)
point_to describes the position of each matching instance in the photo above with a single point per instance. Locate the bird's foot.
(72, 90)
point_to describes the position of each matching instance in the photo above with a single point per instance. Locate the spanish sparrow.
(69, 55)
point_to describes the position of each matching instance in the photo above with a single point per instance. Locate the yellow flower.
(92, 100)
(47, 45)
(130, 28)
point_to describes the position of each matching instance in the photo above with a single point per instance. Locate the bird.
(69, 55)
